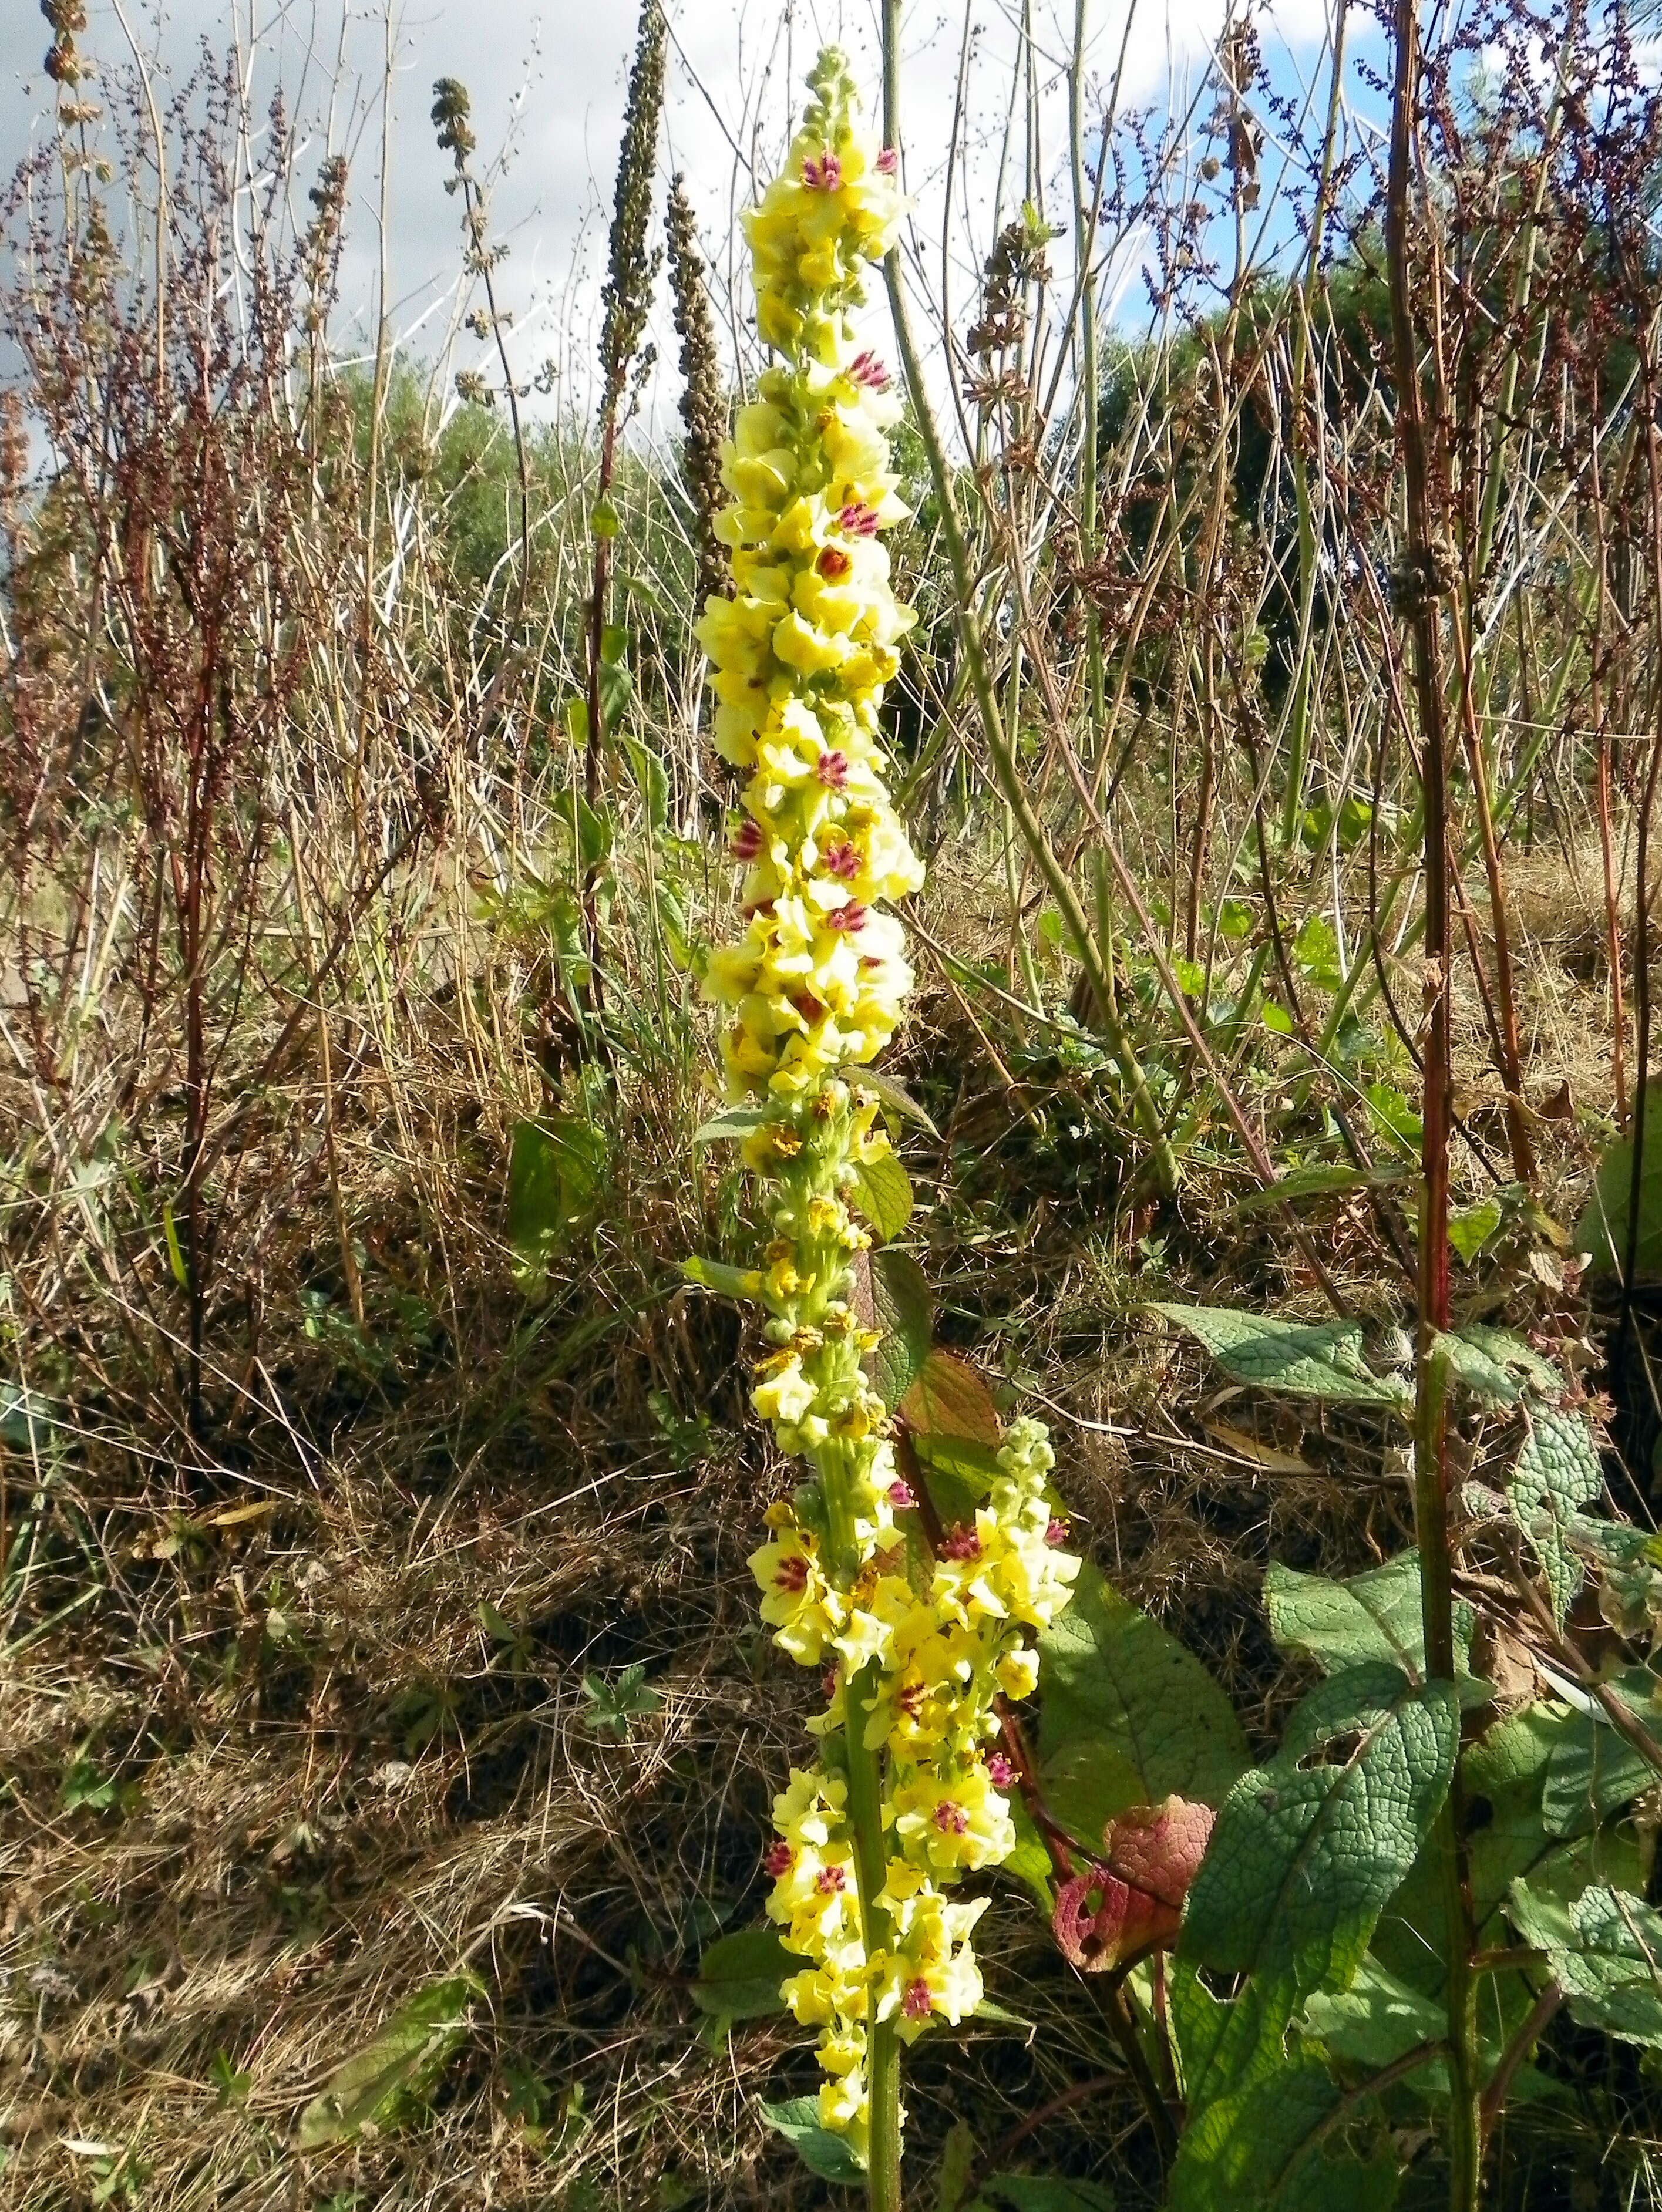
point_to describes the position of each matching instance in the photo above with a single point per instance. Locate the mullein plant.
(919, 1643)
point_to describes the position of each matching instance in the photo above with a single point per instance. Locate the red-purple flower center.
(999, 1772)
(778, 1859)
(824, 174)
(831, 1878)
(834, 564)
(1058, 1531)
(858, 519)
(951, 1819)
(866, 368)
(918, 2003)
(888, 162)
(851, 917)
(832, 770)
(960, 1544)
(746, 841)
(901, 1494)
(792, 1573)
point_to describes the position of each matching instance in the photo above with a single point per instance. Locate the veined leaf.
(733, 1121)
(1130, 1715)
(556, 1168)
(1307, 1852)
(399, 2066)
(1313, 1359)
(1371, 1617)
(821, 2151)
(739, 1975)
(1604, 1950)
(882, 1195)
(1592, 1771)
(899, 1101)
(892, 1294)
(956, 1429)
(1555, 1473)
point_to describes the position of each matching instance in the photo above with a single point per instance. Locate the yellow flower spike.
(812, 990)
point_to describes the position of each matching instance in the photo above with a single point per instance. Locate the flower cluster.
(802, 651)
(918, 1640)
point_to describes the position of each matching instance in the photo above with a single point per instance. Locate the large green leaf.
(1555, 1473)
(1271, 2145)
(1312, 1359)
(1307, 1852)
(556, 1168)
(397, 2069)
(1593, 1770)
(1130, 1715)
(739, 1975)
(1602, 1231)
(1604, 1950)
(822, 2151)
(1371, 1617)
(1504, 1774)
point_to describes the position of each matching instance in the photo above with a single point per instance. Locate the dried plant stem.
(1431, 1469)
(1005, 768)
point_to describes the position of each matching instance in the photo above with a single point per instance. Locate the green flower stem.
(883, 2048)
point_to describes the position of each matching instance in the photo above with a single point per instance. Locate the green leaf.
(610, 1706)
(1555, 1473)
(897, 1100)
(1470, 1227)
(1320, 1180)
(1503, 1774)
(728, 1282)
(181, 1273)
(892, 1294)
(734, 1122)
(1314, 1359)
(957, 2165)
(1307, 1852)
(1602, 1230)
(1130, 1717)
(595, 833)
(1309, 1848)
(1376, 2021)
(603, 521)
(555, 1170)
(1604, 1951)
(1592, 1769)
(882, 1195)
(400, 2067)
(1371, 1617)
(955, 1427)
(1272, 2144)
(739, 1975)
(1035, 2192)
(651, 780)
(614, 643)
(822, 2152)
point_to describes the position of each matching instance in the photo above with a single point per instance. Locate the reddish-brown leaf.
(1131, 1900)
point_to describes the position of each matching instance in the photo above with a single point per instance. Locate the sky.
(547, 79)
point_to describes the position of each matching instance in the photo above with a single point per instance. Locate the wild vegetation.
(1244, 689)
